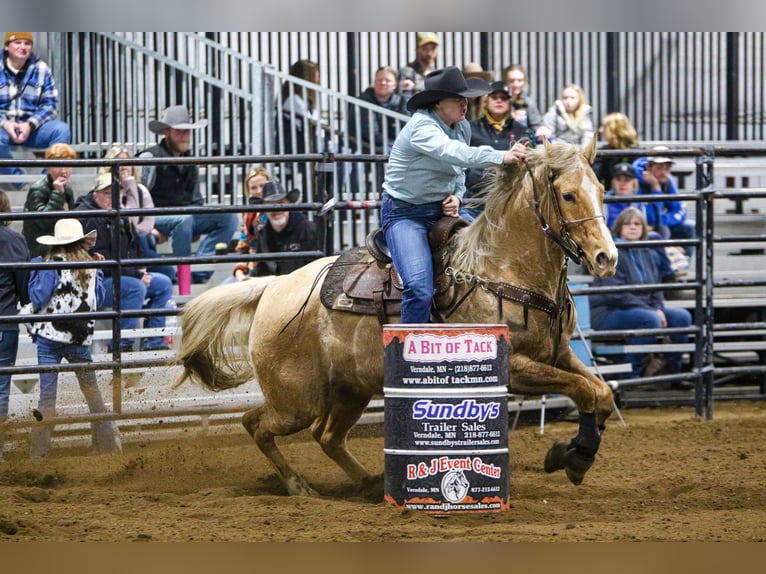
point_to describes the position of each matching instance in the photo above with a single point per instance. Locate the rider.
(425, 179)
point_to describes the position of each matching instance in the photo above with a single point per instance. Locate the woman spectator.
(525, 110)
(135, 195)
(425, 179)
(617, 133)
(13, 293)
(637, 309)
(570, 118)
(497, 128)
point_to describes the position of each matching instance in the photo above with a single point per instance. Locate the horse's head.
(575, 206)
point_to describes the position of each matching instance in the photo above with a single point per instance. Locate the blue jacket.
(429, 159)
(31, 97)
(634, 267)
(669, 213)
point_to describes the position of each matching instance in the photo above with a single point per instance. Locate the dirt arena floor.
(666, 477)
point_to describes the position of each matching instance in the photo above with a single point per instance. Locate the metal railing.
(703, 283)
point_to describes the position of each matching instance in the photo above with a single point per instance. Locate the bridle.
(564, 240)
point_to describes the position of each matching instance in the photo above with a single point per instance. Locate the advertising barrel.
(445, 420)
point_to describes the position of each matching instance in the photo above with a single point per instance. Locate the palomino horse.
(319, 368)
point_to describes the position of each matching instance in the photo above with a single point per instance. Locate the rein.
(564, 240)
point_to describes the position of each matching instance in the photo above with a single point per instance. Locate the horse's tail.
(215, 328)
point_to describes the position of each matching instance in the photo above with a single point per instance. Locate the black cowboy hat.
(447, 83)
(274, 192)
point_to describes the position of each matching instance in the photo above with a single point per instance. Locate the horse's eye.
(569, 197)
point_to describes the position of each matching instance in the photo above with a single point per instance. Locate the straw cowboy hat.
(175, 117)
(66, 232)
(474, 70)
(447, 83)
(273, 192)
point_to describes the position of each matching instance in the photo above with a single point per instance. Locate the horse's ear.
(590, 151)
(546, 145)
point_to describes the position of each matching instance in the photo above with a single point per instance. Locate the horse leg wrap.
(582, 450)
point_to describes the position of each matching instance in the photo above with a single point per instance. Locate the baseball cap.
(660, 158)
(426, 38)
(624, 170)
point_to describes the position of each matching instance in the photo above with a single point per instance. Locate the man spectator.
(668, 218)
(29, 101)
(178, 186)
(412, 77)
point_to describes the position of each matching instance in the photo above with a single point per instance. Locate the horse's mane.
(502, 183)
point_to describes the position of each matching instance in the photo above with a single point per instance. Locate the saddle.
(364, 280)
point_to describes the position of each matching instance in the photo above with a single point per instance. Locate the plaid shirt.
(31, 96)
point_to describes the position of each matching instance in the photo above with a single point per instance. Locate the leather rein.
(529, 299)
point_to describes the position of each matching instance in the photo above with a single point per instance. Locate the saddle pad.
(350, 281)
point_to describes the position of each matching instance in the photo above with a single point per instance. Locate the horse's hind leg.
(331, 430)
(253, 422)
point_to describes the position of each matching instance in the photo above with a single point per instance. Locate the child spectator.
(66, 292)
(570, 118)
(51, 193)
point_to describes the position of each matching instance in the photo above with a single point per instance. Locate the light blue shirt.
(429, 159)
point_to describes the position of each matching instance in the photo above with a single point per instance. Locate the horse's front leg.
(589, 394)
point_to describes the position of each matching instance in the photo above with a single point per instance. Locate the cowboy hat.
(273, 192)
(447, 83)
(175, 117)
(474, 70)
(66, 232)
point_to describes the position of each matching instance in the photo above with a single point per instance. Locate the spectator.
(283, 231)
(135, 196)
(474, 70)
(412, 76)
(570, 118)
(252, 221)
(625, 184)
(425, 179)
(525, 110)
(136, 285)
(51, 193)
(496, 128)
(637, 309)
(13, 293)
(300, 129)
(668, 218)
(66, 292)
(29, 101)
(382, 93)
(178, 186)
(618, 134)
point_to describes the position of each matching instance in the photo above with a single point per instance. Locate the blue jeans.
(51, 132)
(9, 345)
(643, 318)
(133, 294)
(105, 435)
(181, 229)
(147, 248)
(406, 228)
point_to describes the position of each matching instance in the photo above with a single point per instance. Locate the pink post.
(184, 279)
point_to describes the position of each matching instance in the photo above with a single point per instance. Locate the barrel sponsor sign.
(446, 417)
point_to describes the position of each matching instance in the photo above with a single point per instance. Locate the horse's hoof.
(297, 486)
(577, 465)
(554, 460)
